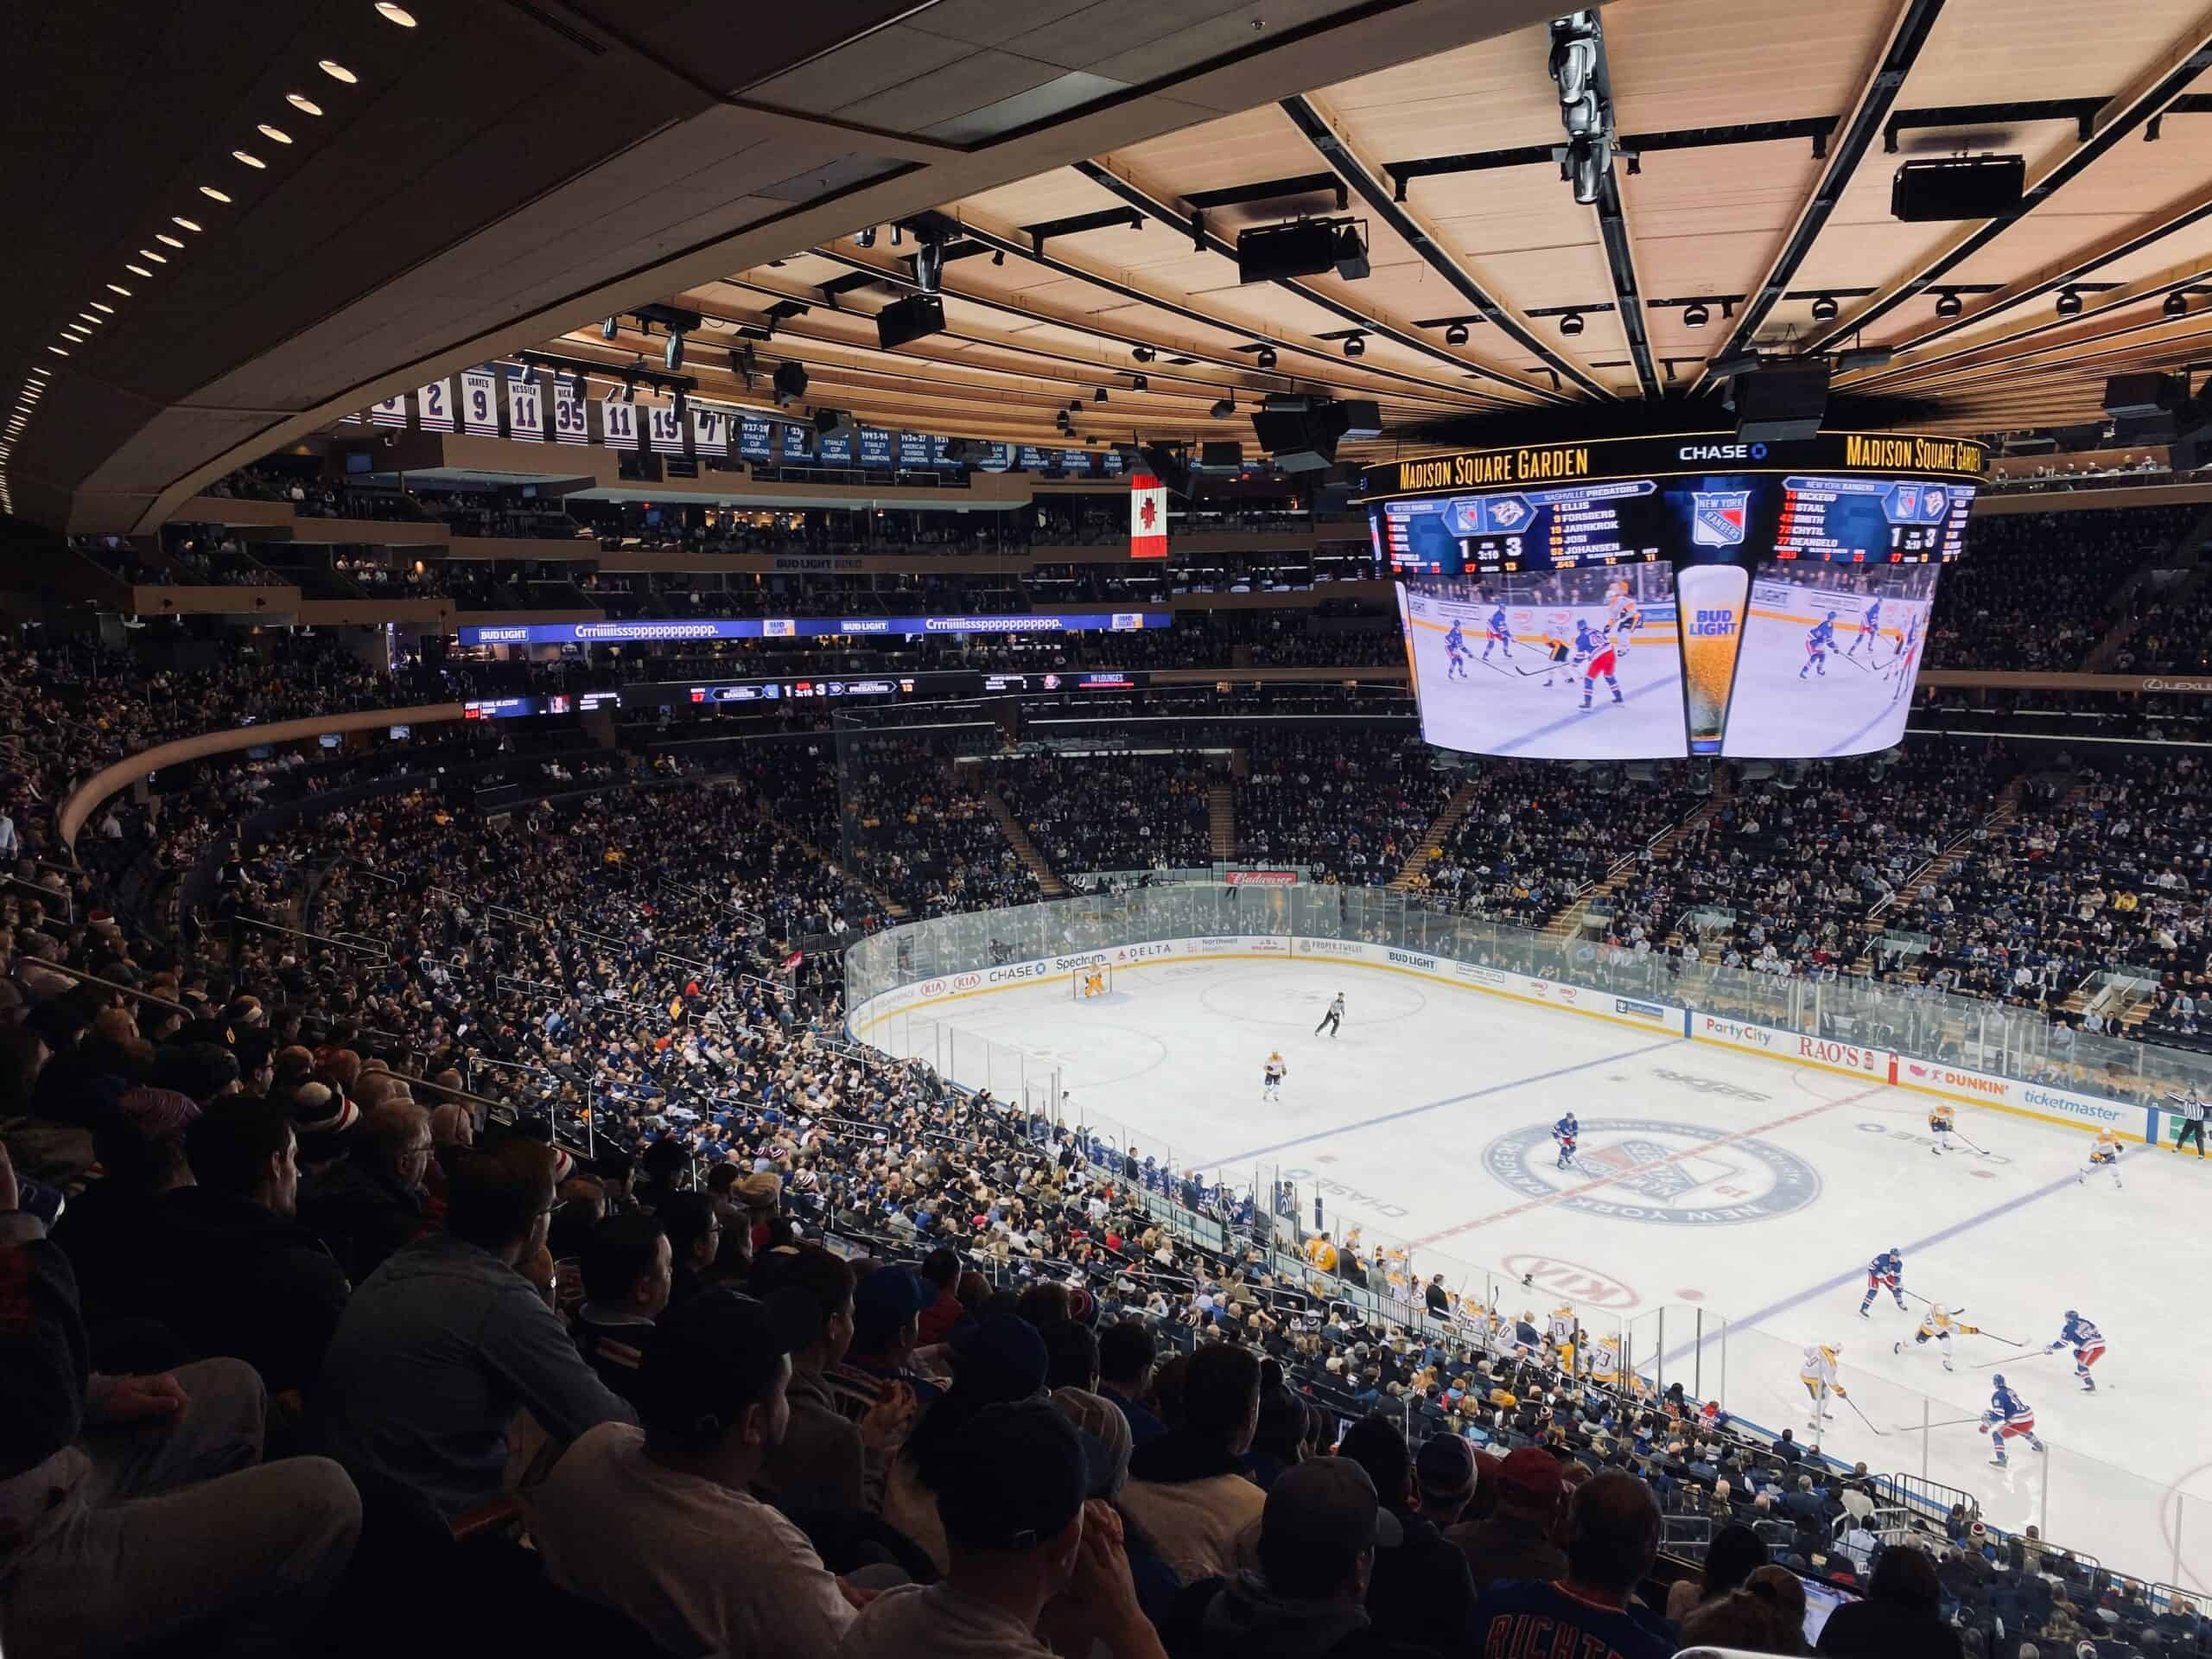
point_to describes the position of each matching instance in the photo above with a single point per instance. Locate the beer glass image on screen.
(1830, 654)
(1559, 666)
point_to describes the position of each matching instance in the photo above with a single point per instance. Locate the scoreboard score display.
(1661, 597)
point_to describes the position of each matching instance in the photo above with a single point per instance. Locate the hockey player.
(1094, 982)
(2088, 1344)
(1566, 1132)
(1623, 617)
(1559, 653)
(1334, 1018)
(1818, 1374)
(1901, 665)
(1939, 1325)
(1818, 644)
(1870, 630)
(1271, 1078)
(1598, 651)
(1560, 1335)
(2010, 1417)
(1942, 1124)
(2104, 1154)
(1498, 634)
(1885, 1272)
(1455, 651)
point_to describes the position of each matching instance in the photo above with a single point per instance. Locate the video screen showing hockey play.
(1769, 612)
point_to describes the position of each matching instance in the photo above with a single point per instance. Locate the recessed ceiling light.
(117, 287)
(308, 105)
(139, 270)
(213, 193)
(97, 305)
(148, 253)
(57, 351)
(179, 218)
(249, 159)
(337, 71)
(167, 240)
(398, 15)
(90, 318)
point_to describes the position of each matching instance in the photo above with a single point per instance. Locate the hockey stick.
(1947, 1422)
(1984, 1364)
(1863, 1417)
(1984, 1150)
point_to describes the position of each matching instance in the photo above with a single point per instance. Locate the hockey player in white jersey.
(1271, 1077)
(1818, 1374)
(1939, 1325)
(2104, 1154)
(2088, 1343)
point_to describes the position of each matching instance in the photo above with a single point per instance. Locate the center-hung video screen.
(1774, 613)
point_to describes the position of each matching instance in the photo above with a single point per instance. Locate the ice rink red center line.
(1567, 1193)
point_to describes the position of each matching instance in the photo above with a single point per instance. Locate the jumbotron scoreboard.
(1657, 596)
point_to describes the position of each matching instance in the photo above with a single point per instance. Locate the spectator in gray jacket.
(441, 1344)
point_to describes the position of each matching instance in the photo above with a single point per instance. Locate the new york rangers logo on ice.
(1718, 517)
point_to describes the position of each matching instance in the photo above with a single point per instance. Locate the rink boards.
(1795, 1048)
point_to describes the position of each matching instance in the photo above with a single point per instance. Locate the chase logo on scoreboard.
(1718, 518)
(1648, 1170)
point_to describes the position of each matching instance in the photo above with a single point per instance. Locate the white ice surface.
(1395, 1117)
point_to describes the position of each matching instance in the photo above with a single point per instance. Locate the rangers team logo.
(1646, 1169)
(1718, 517)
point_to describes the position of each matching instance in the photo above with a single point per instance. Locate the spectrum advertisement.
(646, 629)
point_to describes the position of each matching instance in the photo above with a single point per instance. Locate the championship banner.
(709, 431)
(1147, 517)
(434, 404)
(526, 408)
(663, 428)
(480, 403)
(754, 435)
(617, 421)
(569, 412)
(389, 411)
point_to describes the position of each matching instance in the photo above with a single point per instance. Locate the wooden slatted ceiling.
(1707, 222)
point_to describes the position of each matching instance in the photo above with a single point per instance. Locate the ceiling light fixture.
(139, 270)
(167, 240)
(2177, 304)
(1949, 304)
(213, 193)
(1143, 354)
(1571, 324)
(249, 158)
(998, 257)
(1222, 408)
(398, 15)
(1265, 357)
(305, 105)
(1356, 346)
(274, 135)
(57, 351)
(337, 71)
(1099, 395)
(1140, 383)
(117, 287)
(2069, 303)
(1696, 316)
(179, 218)
(90, 318)
(98, 306)
(1456, 334)
(158, 259)
(1825, 309)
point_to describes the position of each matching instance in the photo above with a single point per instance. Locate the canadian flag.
(1147, 517)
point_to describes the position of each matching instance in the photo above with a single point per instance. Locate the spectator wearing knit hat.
(231, 1267)
(368, 1202)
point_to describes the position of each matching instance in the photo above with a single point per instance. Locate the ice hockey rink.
(1858, 705)
(1750, 1189)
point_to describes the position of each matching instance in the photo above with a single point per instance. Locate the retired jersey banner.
(480, 403)
(709, 431)
(618, 423)
(664, 429)
(1147, 517)
(569, 412)
(526, 408)
(390, 411)
(434, 404)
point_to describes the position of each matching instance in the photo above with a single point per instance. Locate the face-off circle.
(1648, 1169)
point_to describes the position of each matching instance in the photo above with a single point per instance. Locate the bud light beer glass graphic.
(1713, 600)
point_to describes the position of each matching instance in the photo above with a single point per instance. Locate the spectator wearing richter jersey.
(136, 1509)
(443, 1345)
(1020, 1535)
(1612, 1539)
(660, 1524)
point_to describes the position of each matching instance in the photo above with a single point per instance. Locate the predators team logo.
(1643, 1169)
(1718, 517)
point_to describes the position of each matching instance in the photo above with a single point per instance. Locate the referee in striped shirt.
(2191, 1105)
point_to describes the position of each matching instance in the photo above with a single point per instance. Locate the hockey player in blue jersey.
(1885, 1272)
(1498, 634)
(1455, 650)
(1566, 1132)
(2088, 1343)
(1818, 644)
(1901, 665)
(1597, 650)
(1869, 631)
(2009, 1418)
